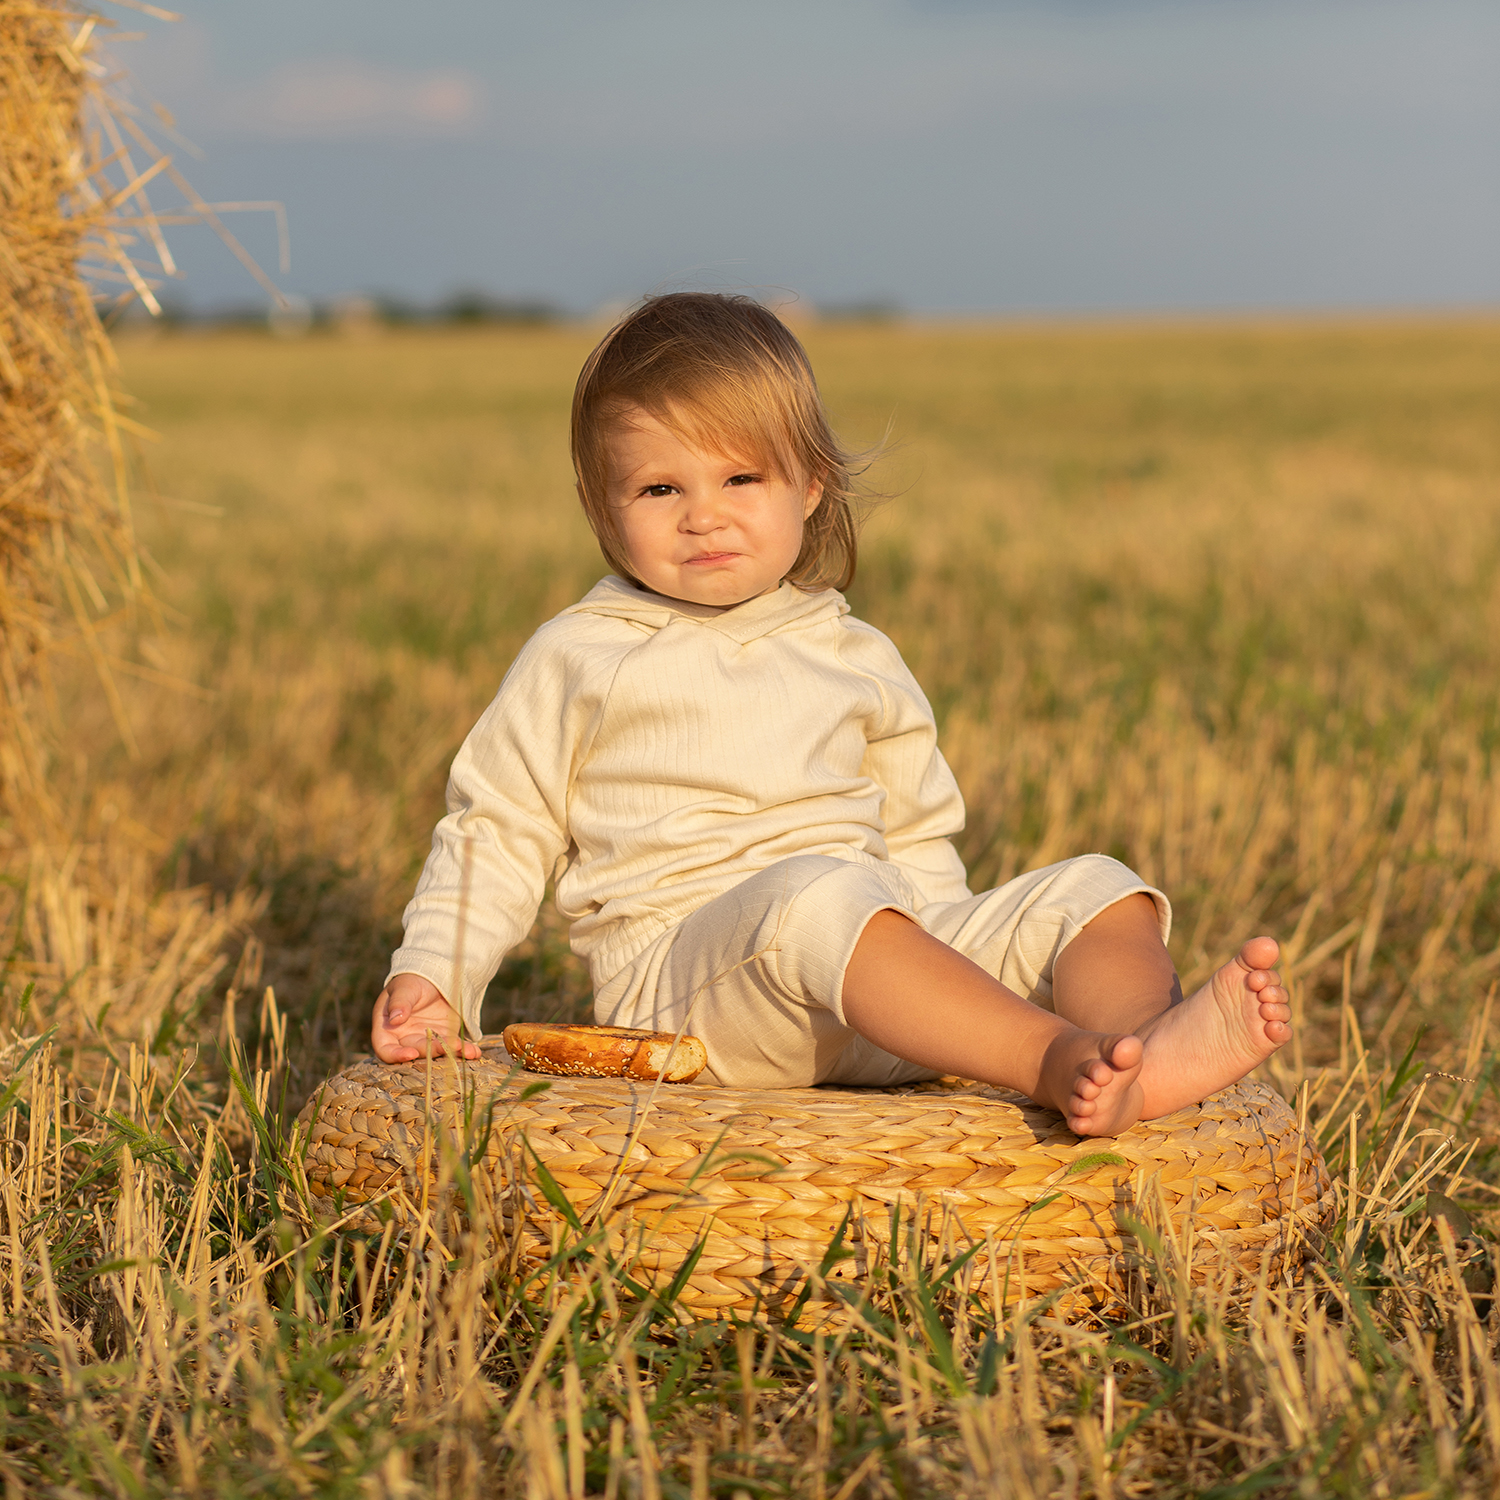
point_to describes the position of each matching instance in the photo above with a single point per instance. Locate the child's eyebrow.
(642, 474)
(637, 475)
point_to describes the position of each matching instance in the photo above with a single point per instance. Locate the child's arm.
(412, 1020)
(923, 806)
(505, 833)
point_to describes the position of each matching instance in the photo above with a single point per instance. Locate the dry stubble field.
(1221, 600)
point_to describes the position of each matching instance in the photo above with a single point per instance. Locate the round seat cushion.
(764, 1179)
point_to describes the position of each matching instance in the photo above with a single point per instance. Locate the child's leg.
(1114, 991)
(1117, 975)
(779, 975)
(757, 975)
(913, 995)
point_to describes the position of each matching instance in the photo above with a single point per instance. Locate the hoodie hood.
(787, 607)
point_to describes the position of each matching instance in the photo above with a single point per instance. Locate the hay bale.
(73, 209)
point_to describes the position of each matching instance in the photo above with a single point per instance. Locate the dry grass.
(1222, 601)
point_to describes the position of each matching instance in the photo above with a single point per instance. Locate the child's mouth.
(712, 557)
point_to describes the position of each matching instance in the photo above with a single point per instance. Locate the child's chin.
(721, 589)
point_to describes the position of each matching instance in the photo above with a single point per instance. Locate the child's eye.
(745, 479)
(658, 490)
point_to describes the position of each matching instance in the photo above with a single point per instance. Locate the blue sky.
(1013, 156)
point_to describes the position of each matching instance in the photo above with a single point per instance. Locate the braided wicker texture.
(767, 1176)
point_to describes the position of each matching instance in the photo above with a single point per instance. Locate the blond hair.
(724, 374)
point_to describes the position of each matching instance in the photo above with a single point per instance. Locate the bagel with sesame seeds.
(576, 1051)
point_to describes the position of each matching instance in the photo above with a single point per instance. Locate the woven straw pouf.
(765, 1177)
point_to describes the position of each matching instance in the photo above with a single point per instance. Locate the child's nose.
(704, 512)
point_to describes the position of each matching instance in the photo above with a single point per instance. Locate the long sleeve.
(506, 830)
(923, 805)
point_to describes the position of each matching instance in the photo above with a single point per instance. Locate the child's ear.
(814, 497)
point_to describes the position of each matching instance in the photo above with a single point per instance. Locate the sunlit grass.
(1223, 601)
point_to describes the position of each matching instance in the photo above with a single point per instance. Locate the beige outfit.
(758, 973)
(723, 798)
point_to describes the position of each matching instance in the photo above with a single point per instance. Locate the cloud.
(344, 99)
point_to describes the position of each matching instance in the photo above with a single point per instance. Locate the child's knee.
(1088, 884)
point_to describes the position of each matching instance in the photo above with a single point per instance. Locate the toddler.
(736, 789)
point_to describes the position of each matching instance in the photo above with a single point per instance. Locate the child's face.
(710, 528)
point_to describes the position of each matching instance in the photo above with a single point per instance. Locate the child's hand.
(412, 1020)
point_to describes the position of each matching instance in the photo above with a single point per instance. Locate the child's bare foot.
(1218, 1034)
(1094, 1080)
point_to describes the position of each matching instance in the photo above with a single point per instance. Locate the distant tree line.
(466, 307)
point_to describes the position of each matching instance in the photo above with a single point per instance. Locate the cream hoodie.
(647, 754)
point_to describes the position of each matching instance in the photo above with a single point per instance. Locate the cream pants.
(758, 973)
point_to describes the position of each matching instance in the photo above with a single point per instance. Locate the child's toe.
(1259, 953)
